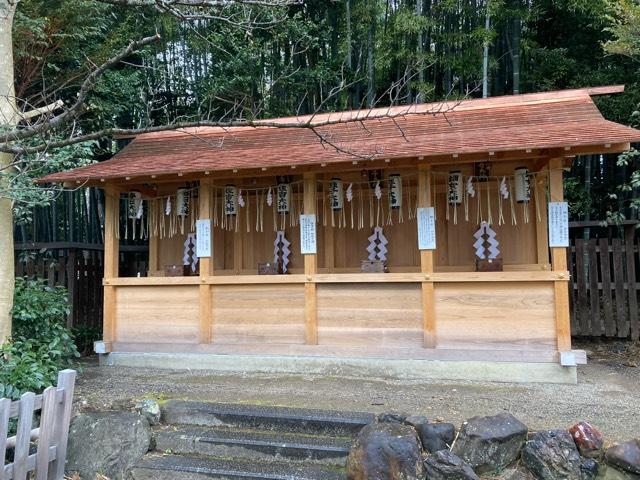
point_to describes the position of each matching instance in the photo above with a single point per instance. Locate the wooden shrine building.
(412, 234)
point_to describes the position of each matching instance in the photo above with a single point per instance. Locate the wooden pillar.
(111, 261)
(426, 264)
(310, 268)
(559, 264)
(206, 267)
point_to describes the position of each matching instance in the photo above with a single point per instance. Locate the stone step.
(264, 418)
(177, 467)
(254, 444)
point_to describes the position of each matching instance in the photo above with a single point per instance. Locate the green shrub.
(41, 345)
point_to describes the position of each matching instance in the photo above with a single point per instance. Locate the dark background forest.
(320, 56)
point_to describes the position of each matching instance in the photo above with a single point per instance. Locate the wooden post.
(310, 268)
(23, 436)
(426, 265)
(111, 260)
(47, 432)
(66, 381)
(559, 264)
(634, 322)
(206, 267)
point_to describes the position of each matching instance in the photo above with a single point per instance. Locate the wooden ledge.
(438, 277)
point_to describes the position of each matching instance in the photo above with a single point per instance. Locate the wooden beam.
(111, 260)
(559, 263)
(206, 267)
(427, 264)
(310, 267)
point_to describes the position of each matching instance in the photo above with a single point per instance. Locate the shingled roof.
(518, 122)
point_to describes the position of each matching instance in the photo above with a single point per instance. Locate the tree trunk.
(419, 51)
(7, 118)
(371, 72)
(515, 50)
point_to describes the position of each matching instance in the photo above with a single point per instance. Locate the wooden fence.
(605, 289)
(48, 461)
(79, 268)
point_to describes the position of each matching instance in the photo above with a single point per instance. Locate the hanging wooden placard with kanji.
(395, 191)
(230, 200)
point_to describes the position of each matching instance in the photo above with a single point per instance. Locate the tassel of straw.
(536, 199)
(351, 208)
(324, 206)
(465, 201)
(500, 212)
(479, 218)
(360, 209)
(400, 210)
(247, 215)
(489, 214)
(512, 208)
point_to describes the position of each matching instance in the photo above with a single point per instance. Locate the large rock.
(588, 439)
(552, 455)
(625, 456)
(150, 410)
(385, 451)
(436, 436)
(107, 443)
(445, 465)
(489, 444)
(607, 472)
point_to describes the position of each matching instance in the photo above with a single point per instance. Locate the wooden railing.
(52, 434)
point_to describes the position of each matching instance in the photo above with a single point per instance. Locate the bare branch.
(74, 111)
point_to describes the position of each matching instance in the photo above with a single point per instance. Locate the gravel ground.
(607, 394)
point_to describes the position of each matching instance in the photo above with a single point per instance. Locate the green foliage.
(41, 345)
(625, 28)
(21, 188)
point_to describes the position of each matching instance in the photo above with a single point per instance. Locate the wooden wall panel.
(376, 315)
(496, 315)
(157, 314)
(258, 314)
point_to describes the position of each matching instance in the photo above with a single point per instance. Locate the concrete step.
(254, 444)
(265, 418)
(177, 467)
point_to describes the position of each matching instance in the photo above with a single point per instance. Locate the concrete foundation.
(517, 372)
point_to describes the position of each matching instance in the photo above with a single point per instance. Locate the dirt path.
(607, 395)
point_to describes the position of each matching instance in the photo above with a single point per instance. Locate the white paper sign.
(308, 234)
(203, 238)
(558, 224)
(426, 228)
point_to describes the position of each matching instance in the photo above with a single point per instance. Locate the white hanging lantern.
(395, 191)
(522, 185)
(230, 200)
(182, 202)
(134, 204)
(454, 196)
(336, 194)
(283, 197)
